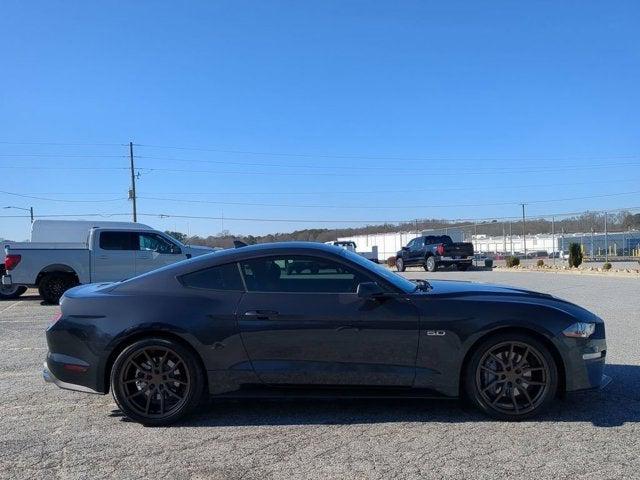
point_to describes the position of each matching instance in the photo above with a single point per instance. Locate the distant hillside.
(581, 223)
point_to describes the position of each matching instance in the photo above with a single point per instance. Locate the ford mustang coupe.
(302, 318)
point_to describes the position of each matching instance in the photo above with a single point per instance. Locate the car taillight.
(11, 261)
(440, 249)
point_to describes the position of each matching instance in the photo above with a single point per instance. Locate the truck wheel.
(400, 265)
(10, 292)
(431, 265)
(463, 267)
(53, 285)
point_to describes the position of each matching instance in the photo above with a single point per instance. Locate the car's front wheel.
(156, 381)
(511, 376)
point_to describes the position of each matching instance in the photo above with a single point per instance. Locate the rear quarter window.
(221, 277)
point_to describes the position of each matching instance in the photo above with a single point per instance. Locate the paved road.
(50, 433)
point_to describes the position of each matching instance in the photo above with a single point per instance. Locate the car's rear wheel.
(53, 285)
(11, 292)
(400, 265)
(431, 265)
(511, 376)
(156, 381)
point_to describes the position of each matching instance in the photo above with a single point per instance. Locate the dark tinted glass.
(117, 241)
(297, 274)
(156, 243)
(222, 277)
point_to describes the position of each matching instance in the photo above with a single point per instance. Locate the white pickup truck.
(352, 247)
(108, 252)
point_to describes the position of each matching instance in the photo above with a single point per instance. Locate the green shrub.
(606, 266)
(575, 255)
(391, 261)
(512, 261)
(540, 263)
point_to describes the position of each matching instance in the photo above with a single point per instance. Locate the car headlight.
(580, 330)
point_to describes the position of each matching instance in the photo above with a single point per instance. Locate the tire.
(525, 381)
(178, 388)
(400, 266)
(53, 285)
(431, 265)
(463, 267)
(11, 292)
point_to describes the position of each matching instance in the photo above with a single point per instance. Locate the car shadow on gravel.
(617, 404)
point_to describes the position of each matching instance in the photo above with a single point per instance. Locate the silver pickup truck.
(107, 255)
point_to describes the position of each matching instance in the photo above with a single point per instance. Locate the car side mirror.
(369, 290)
(405, 248)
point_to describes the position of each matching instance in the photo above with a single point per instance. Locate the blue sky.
(345, 110)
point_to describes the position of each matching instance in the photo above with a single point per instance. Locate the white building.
(617, 243)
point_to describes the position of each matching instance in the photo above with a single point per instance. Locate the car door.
(155, 251)
(302, 323)
(113, 256)
(415, 251)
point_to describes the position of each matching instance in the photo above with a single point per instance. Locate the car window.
(298, 274)
(411, 243)
(221, 277)
(156, 243)
(118, 241)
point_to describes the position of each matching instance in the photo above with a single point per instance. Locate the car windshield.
(398, 281)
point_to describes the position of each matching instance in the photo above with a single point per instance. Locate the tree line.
(583, 223)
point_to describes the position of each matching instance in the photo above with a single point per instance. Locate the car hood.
(451, 289)
(455, 288)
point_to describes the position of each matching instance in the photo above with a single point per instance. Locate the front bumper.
(49, 377)
(584, 361)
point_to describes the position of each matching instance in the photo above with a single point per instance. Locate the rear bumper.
(49, 377)
(455, 260)
(6, 280)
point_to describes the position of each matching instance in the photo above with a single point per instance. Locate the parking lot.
(51, 433)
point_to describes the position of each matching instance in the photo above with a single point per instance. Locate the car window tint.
(222, 277)
(299, 274)
(117, 241)
(156, 243)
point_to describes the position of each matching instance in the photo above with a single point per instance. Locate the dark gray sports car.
(291, 318)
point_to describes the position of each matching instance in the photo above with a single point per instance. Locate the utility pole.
(31, 213)
(511, 237)
(524, 233)
(132, 192)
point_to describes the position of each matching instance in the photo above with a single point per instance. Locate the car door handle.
(261, 314)
(103, 257)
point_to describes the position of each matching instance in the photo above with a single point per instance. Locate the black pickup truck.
(434, 251)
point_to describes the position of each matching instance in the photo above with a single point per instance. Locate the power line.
(364, 192)
(58, 155)
(60, 200)
(306, 220)
(369, 156)
(59, 144)
(404, 207)
(361, 173)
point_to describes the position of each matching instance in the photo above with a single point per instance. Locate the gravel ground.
(50, 433)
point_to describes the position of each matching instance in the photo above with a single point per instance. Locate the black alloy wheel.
(156, 381)
(512, 377)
